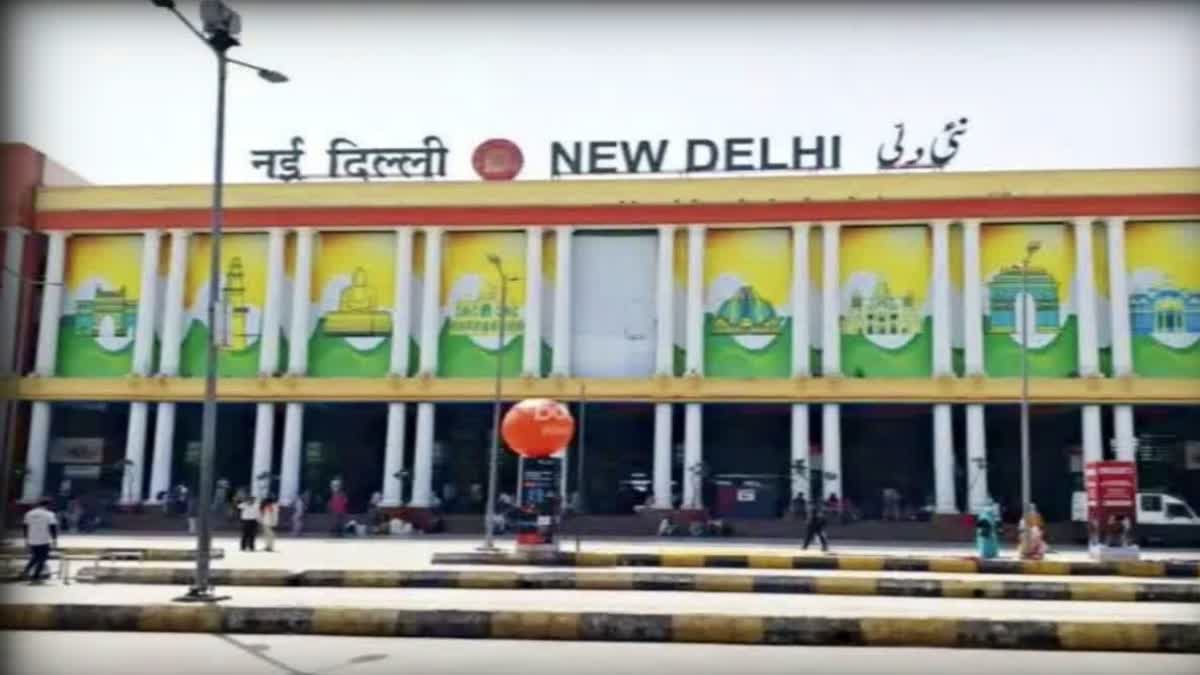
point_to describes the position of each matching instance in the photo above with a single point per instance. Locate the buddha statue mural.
(358, 313)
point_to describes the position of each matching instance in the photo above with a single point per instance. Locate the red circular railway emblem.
(497, 159)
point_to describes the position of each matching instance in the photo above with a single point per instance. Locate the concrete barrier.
(147, 554)
(1177, 637)
(660, 581)
(1180, 569)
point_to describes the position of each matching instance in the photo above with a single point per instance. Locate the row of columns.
(172, 325)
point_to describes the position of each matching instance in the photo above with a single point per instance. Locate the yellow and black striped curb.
(1133, 568)
(148, 554)
(1179, 637)
(660, 581)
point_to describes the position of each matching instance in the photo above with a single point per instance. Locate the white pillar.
(800, 441)
(1122, 353)
(664, 355)
(289, 472)
(801, 348)
(693, 454)
(831, 450)
(531, 362)
(44, 363)
(422, 475)
(168, 364)
(978, 494)
(268, 364)
(298, 334)
(943, 431)
(393, 454)
(143, 351)
(11, 282)
(662, 456)
(422, 483)
(831, 338)
(1089, 355)
(561, 359)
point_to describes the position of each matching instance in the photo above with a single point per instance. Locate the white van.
(1161, 517)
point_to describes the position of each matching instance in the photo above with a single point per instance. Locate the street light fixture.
(221, 25)
(1030, 248)
(489, 512)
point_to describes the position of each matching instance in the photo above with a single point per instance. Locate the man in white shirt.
(248, 507)
(41, 531)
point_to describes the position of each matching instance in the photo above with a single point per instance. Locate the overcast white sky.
(121, 93)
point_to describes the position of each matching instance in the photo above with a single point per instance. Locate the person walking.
(299, 506)
(816, 525)
(338, 506)
(268, 518)
(41, 534)
(248, 507)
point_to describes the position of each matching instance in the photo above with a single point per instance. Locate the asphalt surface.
(63, 653)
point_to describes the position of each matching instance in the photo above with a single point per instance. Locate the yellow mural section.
(249, 249)
(344, 253)
(550, 242)
(900, 255)
(1171, 249)
(761, 259)
(466, 254)
(418, 253)
(1100, 259)
(1004, 246)
(680, 258)
(116, 260)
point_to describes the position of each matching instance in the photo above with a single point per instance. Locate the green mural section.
(80, 355)
(1154, 359)
(1059, 358)
(863, 358)
(460, 356)
(727, 356)
(333, 356)
(193, 356)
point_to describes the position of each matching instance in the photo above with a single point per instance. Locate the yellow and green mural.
(1164, 298)
(1047, 304)
(471, 307)
(353, 293)
(747, 295)
(885, 325)
(102, 275)
(679, 261)
(243, 285)
(1100, 275)
(550, 243)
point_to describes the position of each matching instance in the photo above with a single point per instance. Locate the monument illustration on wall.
(121, 312)
(1165, 310)
(235, 334)
(358, 313)
(481, 316)
(1005, 287)
(882, 313)
(747, 313)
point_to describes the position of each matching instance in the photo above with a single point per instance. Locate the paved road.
(643, 602)
(127, 653)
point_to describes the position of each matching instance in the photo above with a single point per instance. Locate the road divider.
(1176, 637)
(661, 581)
(145, 554)
(1181, 569)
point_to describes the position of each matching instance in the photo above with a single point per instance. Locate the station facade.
(835, 335)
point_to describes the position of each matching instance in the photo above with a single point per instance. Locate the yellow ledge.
(579, 192)
(842, 390)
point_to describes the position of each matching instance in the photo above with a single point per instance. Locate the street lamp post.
(1030, 248)
(221, 25)
(489, 512)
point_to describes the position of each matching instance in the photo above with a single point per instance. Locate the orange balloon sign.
(537, 427)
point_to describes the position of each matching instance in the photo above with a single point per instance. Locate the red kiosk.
(1112, 510)
(535, 429)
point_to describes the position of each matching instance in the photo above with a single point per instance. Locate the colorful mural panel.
(471, 304)
(243, 285)
(747, 303)
(353, 292)
(102, 275)
(885, 324)
(1043, 297)
(1164, 298)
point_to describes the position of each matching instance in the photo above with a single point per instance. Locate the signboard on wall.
(1112, 506)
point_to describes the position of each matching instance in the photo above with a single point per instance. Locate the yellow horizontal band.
(982, 184)
(840, 390)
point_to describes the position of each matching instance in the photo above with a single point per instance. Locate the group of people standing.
(258, 515)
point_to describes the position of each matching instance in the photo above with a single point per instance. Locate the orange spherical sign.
(537, 427)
